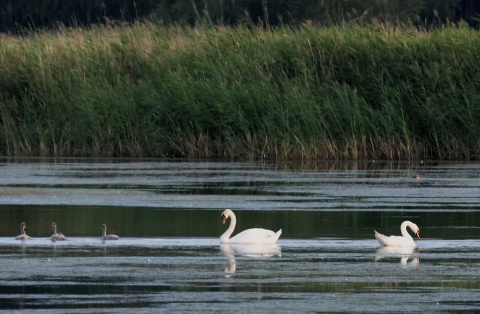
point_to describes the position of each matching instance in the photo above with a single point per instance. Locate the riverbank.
(334, 93)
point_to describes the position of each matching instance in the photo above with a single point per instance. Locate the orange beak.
(418, 234)
(224, 219)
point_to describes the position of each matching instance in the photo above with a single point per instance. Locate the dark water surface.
(169, 257)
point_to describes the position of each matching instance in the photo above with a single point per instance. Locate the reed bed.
(143, 90)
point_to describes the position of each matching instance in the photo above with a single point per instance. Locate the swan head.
(23, 226)
(53, 228)
(226, 213)
(416, 230)
(412, 226)
(104, 230)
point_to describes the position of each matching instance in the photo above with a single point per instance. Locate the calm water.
(169, 257)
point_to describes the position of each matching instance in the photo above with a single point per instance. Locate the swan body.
(23, 235)
(254, 235)
(56, 236)
(255, 250)
(404, 240)
(106, 236)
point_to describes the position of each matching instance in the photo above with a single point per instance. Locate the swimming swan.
(106, 236)
(254, 235)
(22, 235)
(404, 240)
(56, 236)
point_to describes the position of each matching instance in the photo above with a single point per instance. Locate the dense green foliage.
(34, 14)
(148, 91)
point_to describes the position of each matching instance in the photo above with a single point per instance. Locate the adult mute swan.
(106, 236)
(22, 235)
(404, 240)
(254, 235)
(56, 236)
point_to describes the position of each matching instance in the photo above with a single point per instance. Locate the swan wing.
(256, 235)
(382, 239)
(251, 249)
(23, 237)
(111, 237)
(58, 237)
(394, 240)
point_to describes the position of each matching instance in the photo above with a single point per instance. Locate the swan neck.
(403, 228)
(226, 235)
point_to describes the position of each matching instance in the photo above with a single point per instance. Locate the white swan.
(106, 236)
(23, 235)
(404, 240)
(56, 236)
(254, 235)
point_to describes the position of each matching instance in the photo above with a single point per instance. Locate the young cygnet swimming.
(106, 236)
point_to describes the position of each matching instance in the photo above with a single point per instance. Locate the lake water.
(169, 258)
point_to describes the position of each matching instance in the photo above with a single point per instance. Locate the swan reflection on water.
(250, 250)
(405, 254)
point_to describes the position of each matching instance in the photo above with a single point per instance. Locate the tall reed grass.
(345, 92)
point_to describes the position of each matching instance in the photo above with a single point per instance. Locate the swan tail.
(382, 239)
(277, 235)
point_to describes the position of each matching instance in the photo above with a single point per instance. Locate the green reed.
(147, 91)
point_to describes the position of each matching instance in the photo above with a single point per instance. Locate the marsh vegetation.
(143, 90)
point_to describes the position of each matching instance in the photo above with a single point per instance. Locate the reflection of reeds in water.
(337, 165)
